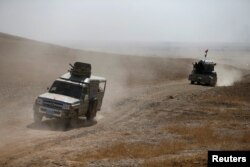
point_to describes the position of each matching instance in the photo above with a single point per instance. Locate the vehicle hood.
(58, 97)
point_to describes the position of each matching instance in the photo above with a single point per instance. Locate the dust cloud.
(230, 68)
(28, 67)
(227, 76)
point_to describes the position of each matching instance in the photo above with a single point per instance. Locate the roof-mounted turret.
(204, 65)
(80, 69)
(81, 73)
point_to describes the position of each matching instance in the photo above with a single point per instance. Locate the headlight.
(39, 101)
(66, 106)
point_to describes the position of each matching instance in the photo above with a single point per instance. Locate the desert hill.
(151, 116)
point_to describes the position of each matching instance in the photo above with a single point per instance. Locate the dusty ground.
(151, 115)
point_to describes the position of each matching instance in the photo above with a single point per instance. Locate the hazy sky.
(127, 20)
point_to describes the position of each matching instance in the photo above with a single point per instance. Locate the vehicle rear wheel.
(92, 110)
(213, 84)
(37, 117)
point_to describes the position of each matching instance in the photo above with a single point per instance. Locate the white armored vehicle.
(76, 93)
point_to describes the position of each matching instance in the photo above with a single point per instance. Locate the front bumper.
(51, 112)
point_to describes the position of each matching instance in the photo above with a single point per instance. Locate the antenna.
(206, 54)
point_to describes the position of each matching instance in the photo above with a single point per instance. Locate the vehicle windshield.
(67, 89)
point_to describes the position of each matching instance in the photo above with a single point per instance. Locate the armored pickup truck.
(203, 72)
(73, 95)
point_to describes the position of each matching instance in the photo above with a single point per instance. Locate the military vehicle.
(203, 72)
(73, 95)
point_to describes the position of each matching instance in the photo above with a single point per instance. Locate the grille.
(52, 104)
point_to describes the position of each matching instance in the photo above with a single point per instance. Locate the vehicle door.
(84, 101)
(100, 93)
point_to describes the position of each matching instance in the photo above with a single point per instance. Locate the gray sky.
(127, 20)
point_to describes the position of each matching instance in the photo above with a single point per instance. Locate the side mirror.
(47, 88)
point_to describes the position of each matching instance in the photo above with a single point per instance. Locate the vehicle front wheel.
(65, 123)
(74, 119)
(37, 117)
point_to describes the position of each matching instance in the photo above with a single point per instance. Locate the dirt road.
(25, 144)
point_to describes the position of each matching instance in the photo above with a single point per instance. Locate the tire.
(92, 110)
(74, 120)
(37, 117)
(192, 82)
(213, 84)
(65, 123)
